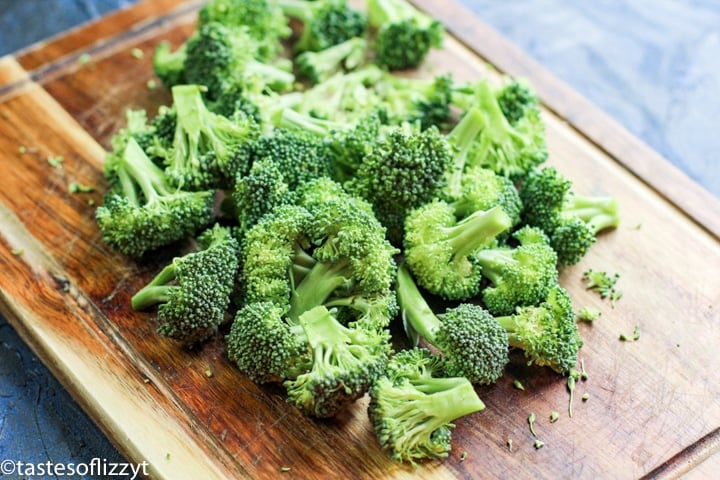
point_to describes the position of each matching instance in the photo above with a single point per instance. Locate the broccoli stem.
(509, 323)
(293, 120)
(461, 137)
(598, 213)
(271, 75)
(321, 327)
(477, 230)
(434, 385)
(301, 9)
(317, 285)
(142, 170)
(386, 12)
(436, 409)
(414, 307)
(493, 262)
(157, 291)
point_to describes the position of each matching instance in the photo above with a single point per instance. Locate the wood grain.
(68, 295)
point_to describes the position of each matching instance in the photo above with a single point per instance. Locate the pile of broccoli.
(313, 199)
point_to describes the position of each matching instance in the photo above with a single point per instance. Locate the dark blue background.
(652, 64)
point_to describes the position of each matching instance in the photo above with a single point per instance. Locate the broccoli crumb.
(167, 456)
(538, 444)
(137, 53)
(151, 84)
(517, 384)
(22, 149)
(509, 444)
(604, 284)
(84, 59)
(531, 423)
(588, 314)
(208, 373)
(56, 161)
(75, 187)
(463, 456)
(585, 397)
(583, 373)
(554, 416)
(284, 469)
(572, 377)
(18, 251)
(636, 333)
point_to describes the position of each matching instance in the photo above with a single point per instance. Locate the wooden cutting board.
(654, 404)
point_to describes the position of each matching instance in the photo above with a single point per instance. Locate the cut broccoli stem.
(474, 231)
(317, 285)
(598, 213)
(510, 324)
(461, 137)
(415, 308)
(493, 261)
(293, 120)
(148, 176)
(156, 291)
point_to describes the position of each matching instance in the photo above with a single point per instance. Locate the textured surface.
(650, 64)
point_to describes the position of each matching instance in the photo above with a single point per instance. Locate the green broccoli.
(516, 98)
(169, 65)
(144, 212)
(603, 283)
(571, 221)
(208, 150)
(510, 150)
(219, 56)
(264, 346)
(472, 344)
(416, 100)
(318, 66)
(194, 290)
(345, 362)
(263, 19)
(483, 189)
(259, 192)
(547, 333)
(441, 251)
(404, 35)
(402, 171)
(325, 22)
(413, 404)
(521, 275)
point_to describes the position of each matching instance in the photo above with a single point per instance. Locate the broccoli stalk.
(472, 343)
(320, 65)
(404, 34)
(194, 290)
(547, 333)
(440, 251)
(413, 404)
(144, 211)
(317, 284)
(416, 100)
(461, 138)
(325, 22)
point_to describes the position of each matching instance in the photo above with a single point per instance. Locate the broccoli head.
(169, 65)
(547, 333)
(193, 292)
(571, 221)
(471, 342)
(318, 66)
(519, 275)
(404, 35)
(440, 250)
(412, 406)
(144, 212)
(426, 101)
(325, 22)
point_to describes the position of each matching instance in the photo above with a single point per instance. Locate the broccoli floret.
(219, 56)
(416, 100)
(209, 150)
(144, 212)
(259, 192)
(571, 221)
(318, 66)
(413, 404)
(305, 257)
(404, 35)
(345, 362)
(264, 346)
(263, 19)
(163, 125)
(483, 189)
(325, 22)
(194, 290)
(521, 275)
(471, 342)
(603, 283)
(547, 333)
(516, 98)
(441, 251)
(168, 65)
(136, 127)
(510, 150)
(402, 171)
